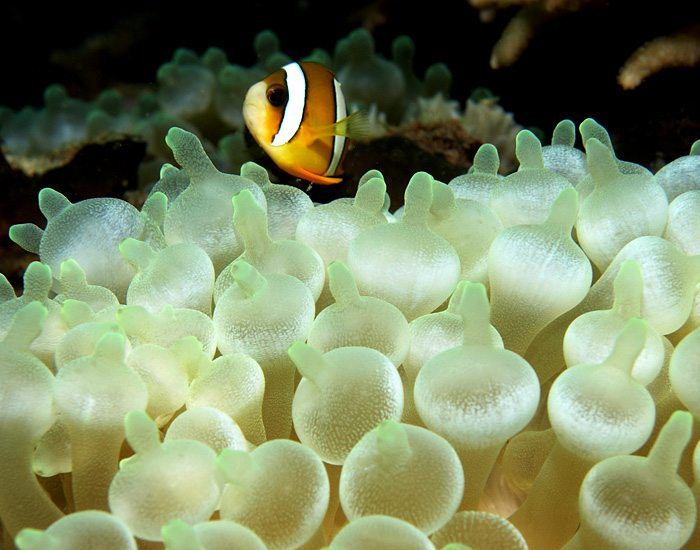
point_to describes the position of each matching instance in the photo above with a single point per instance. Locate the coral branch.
(681, 49)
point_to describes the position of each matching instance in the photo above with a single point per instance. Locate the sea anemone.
(393, 404)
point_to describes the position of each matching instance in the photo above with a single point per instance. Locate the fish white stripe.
(294, 110)
(338, 141)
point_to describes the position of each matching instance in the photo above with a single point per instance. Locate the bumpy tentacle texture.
(92, 395)
(87, 529)
(162, 482)
(387, 473)
(28, 413)
(597, 411)
(493, 393)
(455, 382)
(629, 501)
(425, 266)
(536, 273)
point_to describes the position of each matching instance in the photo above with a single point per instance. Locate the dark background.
(568, 71)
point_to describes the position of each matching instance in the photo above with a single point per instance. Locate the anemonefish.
(299, 118)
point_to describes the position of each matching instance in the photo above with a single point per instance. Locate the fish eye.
(277, 96)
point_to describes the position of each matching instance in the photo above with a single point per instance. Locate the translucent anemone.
(231, 367)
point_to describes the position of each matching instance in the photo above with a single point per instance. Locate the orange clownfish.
(298, 116)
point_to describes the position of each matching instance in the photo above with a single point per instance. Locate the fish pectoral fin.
(354, 126)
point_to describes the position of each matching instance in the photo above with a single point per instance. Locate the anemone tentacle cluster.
(204, 94)
(509, 363)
